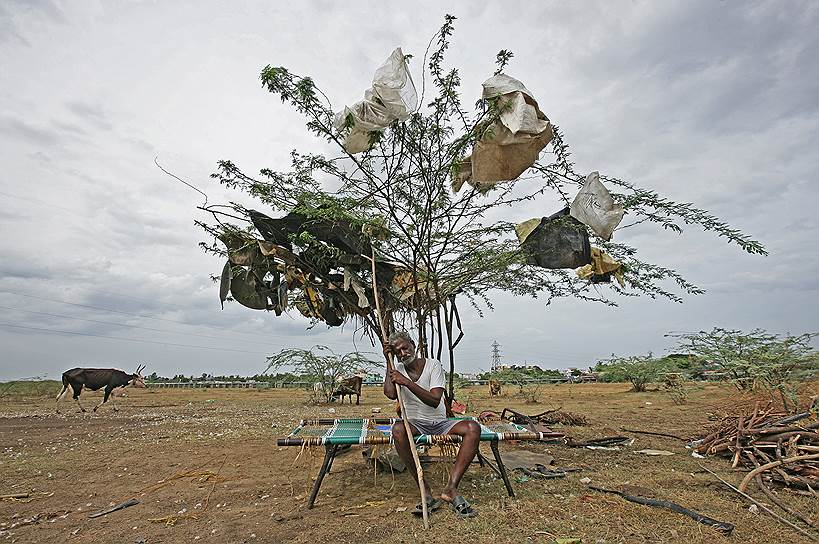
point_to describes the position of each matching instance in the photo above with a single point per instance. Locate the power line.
(100, 308)
(132, 326)
(131, 339)
(131, 314)
(85, 288)
(46, 204)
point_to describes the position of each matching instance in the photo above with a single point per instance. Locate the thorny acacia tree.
(321, 366)
(454, 244)
(756, 359)
(640, 370)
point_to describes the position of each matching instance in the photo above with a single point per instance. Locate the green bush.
(640, 370)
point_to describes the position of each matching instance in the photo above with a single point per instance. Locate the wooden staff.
(404, 417)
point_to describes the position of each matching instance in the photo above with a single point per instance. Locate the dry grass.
(83, 462)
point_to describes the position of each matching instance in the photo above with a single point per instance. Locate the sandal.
(462, 508)
(433, 504)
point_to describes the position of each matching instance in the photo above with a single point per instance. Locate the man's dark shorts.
(442, 426)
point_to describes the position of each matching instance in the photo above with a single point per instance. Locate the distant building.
(519, 367)
(580, 376)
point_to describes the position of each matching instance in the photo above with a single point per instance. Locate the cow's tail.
(66, 387)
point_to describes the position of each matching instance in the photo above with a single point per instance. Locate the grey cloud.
(15, 15)
(8, 29)
(69, 128)
(91, 113)
(16, 128)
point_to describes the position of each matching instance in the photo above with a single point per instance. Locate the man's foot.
(459, 505)
(433, 504)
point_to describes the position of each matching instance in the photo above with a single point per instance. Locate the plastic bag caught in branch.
(509, 145)
(594, 206)
(391, 98)
(557, 241)
(601, 268)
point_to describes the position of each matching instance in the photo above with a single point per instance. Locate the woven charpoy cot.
(333, 433)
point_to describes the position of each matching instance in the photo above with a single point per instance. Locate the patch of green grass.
(30, 388)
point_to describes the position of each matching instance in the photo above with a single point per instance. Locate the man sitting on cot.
(423, 382)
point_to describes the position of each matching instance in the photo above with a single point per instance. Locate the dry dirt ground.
(205, 467)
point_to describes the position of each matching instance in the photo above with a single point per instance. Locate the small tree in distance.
(640, 370)
(321, 366)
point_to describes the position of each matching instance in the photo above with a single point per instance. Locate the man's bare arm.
(389, 387)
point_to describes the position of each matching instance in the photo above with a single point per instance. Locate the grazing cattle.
(349, 386)
(97, 378)
(494, 388)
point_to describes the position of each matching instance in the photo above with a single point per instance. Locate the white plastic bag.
(594, 207)
(393, 86)
(392, 97)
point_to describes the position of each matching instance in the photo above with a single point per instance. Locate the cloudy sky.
(715, 103)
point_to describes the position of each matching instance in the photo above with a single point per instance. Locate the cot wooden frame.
(332, 443)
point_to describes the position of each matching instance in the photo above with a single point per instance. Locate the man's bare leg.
(470, 431)
(402, 444)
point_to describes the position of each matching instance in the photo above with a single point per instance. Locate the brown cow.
(494, 388)
(349, 386)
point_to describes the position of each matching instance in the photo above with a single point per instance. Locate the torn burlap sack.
(511, 144)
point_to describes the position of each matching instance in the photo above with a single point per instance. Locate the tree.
(640, 370)
(320, 366)
(434, 246)
(758, 358)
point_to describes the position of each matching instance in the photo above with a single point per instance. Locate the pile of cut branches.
(780, 447)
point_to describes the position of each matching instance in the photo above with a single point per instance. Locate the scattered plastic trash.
(654, 452)
(557, 241)
(391, 98)
(594, 206)
(511, 144)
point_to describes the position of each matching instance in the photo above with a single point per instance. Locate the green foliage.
(320, 366)
(674, 386)
(455, 241)
(529, 381)
(515, 374)
(458, 381)
(31, 387)
(756, 359)
(502, 60)
(640, 370)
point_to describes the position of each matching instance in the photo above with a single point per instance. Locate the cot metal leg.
(325, 466)
(332, 458)
(501, 468)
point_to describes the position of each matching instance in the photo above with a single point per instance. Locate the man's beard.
(408, 359)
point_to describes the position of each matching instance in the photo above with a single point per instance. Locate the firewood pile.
(783, 448)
